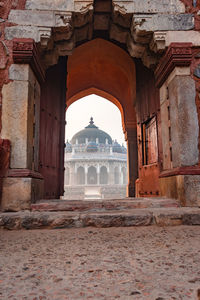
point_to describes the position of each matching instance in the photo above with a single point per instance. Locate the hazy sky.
(106, 116)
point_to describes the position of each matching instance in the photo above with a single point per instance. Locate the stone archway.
(159, 37)
(101, 67)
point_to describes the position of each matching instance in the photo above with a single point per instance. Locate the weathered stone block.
(185, 188)
(21, 72)
(168, 218)
(173, 187)
(183, 37)
(50, 5)
(156, 6)
(30, 32)
(184, 121)
(191, 219)
(192, 190)
(19, 98)
(34, 18)
(14, 121)
(18, 193)
(149, 23)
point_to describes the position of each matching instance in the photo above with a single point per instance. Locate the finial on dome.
(91, 121)
(91, 124)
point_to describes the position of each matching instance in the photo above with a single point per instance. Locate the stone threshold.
(113, 218)
(103, 205)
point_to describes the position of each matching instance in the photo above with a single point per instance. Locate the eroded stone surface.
(114, 263)
(101, 219)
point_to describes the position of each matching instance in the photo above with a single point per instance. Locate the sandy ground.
(115, 263)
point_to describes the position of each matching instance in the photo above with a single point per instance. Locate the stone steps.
(103, 205)
(113, 218)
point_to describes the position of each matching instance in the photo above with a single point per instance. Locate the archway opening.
(98, 67)
(93, 151)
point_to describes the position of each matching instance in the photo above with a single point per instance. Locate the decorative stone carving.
(158, 41)
(63, 19)
(51, 57)
(135, 50)
(119, 8)
(25, 51)
(83, 7)
(63, 29)
(149, 59)
(44, 36)
(119, 34)
(65, 48)
(178, 54)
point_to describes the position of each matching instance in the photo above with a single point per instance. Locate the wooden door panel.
(52, 130)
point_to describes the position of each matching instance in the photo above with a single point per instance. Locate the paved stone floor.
(107, 263)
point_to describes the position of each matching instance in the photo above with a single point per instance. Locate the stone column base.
(19, 193)
(185, 188)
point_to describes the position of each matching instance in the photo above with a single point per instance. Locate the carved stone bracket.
(119, 8)
(63, 19)
(178, 54)
(44, 35)
(86, 8)
(158, 41)
(25, 51)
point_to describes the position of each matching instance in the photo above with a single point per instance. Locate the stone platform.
(105, 213)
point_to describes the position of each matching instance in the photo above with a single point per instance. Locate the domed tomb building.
(95, 166)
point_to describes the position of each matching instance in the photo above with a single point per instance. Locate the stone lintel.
(25, 51)
(24, 173)
(177, 55)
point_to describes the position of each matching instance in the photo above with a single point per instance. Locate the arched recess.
(103, 68)
(92, 175)
(80, 176)
(103, 175)
(116, 175)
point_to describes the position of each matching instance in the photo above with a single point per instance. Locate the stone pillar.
(132, 160)
(72, 179)
(180, 177)
(86, 174)
(20, 125)
(98, 175)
